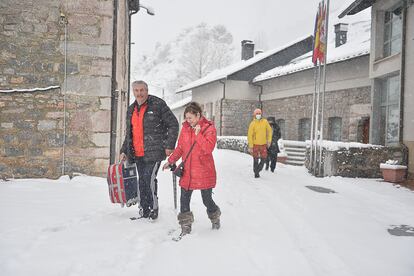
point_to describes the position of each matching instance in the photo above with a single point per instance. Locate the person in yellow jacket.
(259, 138)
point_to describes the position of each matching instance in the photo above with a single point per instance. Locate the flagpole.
(313, 120)
(324, 85)
(315, 99)
(317, 116)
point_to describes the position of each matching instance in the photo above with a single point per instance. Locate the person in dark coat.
(273, 149)
(199, 169)
(151, 134)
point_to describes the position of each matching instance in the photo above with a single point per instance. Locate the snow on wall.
(30, 89)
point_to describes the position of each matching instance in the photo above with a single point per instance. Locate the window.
(304, 129)
(392, 32)
(281, 124)
(335, 128)
(390, 110)
(363, 130)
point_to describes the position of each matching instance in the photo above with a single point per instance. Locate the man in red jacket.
(151, 133)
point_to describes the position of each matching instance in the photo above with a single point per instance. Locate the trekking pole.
(174, 177)
(175, 190)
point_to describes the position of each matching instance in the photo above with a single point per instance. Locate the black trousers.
(147, 184)
(258, 164)
(206, 195)
(272, 159)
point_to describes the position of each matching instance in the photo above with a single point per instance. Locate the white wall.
(241, 90)
(341, 75)
(211, 92)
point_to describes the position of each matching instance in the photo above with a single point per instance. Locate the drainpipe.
(114, 91)
(260, 94)
(221, 105)
(402, 69)
(64, 21)
(402, 84)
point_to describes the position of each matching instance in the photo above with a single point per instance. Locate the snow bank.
(272, 225)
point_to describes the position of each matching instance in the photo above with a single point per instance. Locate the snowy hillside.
(195, 52)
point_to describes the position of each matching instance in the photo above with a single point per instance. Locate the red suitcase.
(123, 184)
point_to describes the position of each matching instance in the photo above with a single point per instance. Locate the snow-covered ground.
(273, 225)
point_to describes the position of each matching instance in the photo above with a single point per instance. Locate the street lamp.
(134, 6)
(149, 10)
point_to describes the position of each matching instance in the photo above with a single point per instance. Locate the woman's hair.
(193, 108)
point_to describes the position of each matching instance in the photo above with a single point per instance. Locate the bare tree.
(204, 50)
(194, 53)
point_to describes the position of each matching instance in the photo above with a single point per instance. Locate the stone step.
(295, 163)
(295, 149)
(295, 153)
(296, 158)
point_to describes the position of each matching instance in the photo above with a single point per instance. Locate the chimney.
(341, 30)
(247, 49)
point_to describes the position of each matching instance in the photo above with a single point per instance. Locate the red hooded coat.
(199, 169)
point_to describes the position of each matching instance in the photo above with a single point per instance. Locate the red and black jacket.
(160, 130)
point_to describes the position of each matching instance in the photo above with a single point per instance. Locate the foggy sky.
(270, 23)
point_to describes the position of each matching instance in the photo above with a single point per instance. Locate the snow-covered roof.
(231, 69)
(358, 44)
(180, 103)
(355, 7)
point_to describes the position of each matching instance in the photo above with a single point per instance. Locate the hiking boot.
(185, 220)
(185, 229)
(215, 225)
(256, 175)
(144, 213)
(153, 214)
(215, 219)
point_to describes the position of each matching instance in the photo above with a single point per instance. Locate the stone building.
(287, 91)
(227, 96)
(391, 67)
(63, 85)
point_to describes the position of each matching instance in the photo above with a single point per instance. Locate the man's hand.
(122, 157)
(168, 152)
(251, 150)
(268, 144)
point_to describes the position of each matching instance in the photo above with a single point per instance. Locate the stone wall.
(31, 134)
(32, 54)
(358, 162)
(237, 115)
(352, 105)
(30, 36)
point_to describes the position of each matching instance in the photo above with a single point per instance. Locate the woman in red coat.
(199, 170)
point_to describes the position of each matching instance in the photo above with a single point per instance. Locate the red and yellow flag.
(319, 38)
